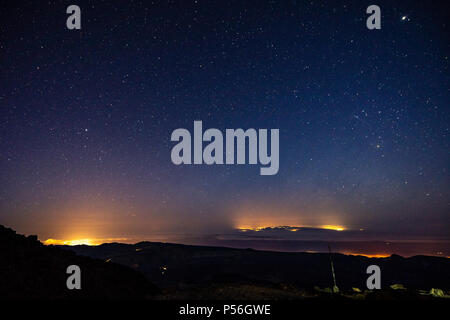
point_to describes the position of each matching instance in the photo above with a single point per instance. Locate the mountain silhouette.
(186, 270)
(29, 269)
(152, 270)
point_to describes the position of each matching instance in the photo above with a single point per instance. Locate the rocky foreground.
(29, 269)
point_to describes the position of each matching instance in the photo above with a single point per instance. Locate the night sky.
(87, 115)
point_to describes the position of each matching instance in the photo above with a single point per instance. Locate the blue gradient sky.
(86, 117)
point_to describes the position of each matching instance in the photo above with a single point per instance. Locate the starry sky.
(86, 118)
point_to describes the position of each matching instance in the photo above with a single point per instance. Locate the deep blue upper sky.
(86, 116)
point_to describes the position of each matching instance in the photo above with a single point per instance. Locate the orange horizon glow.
(292, 229)
(83, 241)
(74, 242)
(332, 227)
(97, 242)
(374, 255)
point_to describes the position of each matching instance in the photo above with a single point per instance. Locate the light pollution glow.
(374, 255)
(292, 229)
(256, 218)
(75, 242)
(84, 241)
(96, 242)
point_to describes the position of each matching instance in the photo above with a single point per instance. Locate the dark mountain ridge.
(175, 265)
(29, 269)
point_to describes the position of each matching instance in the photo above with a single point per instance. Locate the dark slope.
(170, 265)
(28, 269)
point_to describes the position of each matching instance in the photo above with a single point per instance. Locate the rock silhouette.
(29, 269)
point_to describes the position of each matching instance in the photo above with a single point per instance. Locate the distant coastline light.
(245, 229)
(332, 227)
(368, 255)
(74, 242)
(83, 241)
(289, 228)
